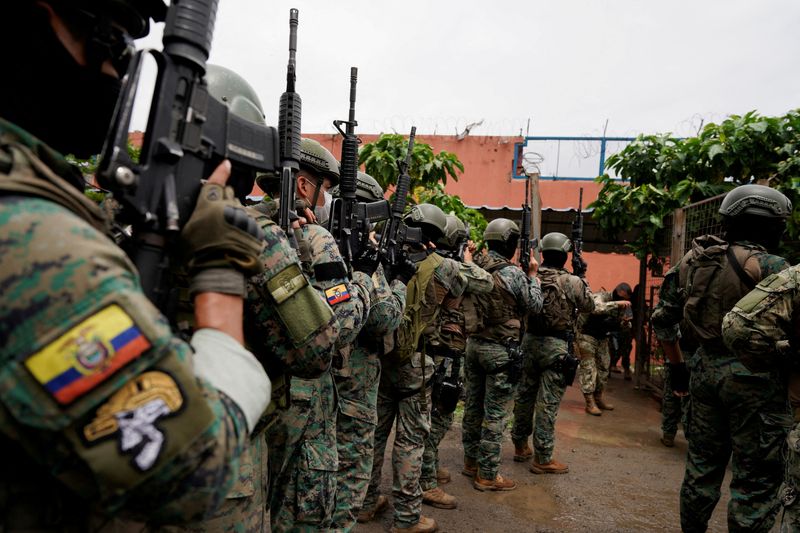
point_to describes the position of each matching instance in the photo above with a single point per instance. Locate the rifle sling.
(744, 277)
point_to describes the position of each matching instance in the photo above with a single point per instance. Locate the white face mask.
(323, 212)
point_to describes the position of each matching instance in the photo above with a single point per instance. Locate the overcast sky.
(568, 65)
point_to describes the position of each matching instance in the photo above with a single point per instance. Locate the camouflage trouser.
(303, 458)
(673, 408)
(789, 494)
(593, 370)
(486, 408)
(440, 424)
(539, 395)
(402, 398)
(355, 435)
(245, 507)
(733, 411)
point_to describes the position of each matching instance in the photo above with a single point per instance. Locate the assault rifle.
(525, 232)
(188, 134)
(289, 132)
(578, 264)
(397, 233)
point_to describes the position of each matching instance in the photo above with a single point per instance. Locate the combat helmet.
(756, 200)
(367, 188)
(316, 157)
(501, 230)
(455, 232)
(429, 218)
(555, 242)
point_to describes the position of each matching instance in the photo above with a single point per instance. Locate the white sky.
(568, 65)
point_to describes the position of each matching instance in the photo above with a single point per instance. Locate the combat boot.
(598, 400)
(439, 499)
(591, 407)
(627, 374)
(442, 476)
(425, 525)
(366, 515)
(496, 484)
(552, 467)
(522, 452)
(470, 467)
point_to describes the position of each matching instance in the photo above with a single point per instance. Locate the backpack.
(497, 312)
(715, 275)
(558, 313)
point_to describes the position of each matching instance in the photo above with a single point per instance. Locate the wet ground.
(621, 477)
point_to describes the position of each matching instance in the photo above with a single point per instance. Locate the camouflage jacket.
(82, 351)
(458, 316)
(606, 316)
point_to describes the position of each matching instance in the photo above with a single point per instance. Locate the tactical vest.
(714, 276)
(558, 313)
(423, 299)
(499, 308)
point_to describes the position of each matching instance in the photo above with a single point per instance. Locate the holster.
(514, 364)
(447, 388)
(568, 364)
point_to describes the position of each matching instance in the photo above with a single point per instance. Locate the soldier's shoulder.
(321, 244)
(771, 263)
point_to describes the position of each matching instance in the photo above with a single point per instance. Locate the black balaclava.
(554, 259)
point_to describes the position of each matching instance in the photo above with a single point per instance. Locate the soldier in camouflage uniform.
(547, 346)
(592, 346)
(404, 391)
(762, 332)
(494, 358)
(104, 413)
(358, 375)
(457, 319)
(303, 458)
(726, 396)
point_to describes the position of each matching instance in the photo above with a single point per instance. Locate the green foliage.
(380, 160)
(664, 173)
(451, 203)
(88, 167)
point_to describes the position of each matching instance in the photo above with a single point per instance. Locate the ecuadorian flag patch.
(87, 354)
(337, 294)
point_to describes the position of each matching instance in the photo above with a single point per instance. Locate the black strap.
(329, 271)
(743, 276)
(498, 268)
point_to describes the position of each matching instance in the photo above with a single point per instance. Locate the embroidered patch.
(337, 294)
(87, 354)
(131, 414)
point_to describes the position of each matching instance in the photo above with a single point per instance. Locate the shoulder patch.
(87, 354)
(337, 294)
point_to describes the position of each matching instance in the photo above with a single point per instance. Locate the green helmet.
(367, 188)
(319, 160)
(430, 218)
(231, 89)
(555, 242)
(501, 229)
(758, 200)
(455, 232)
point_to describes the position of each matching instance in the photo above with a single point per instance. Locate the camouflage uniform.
(486, 369)
(97, 392)
(451, 334)
(302, 441)
(403, 396)
(724, 415)
(357, 385)
(673, 408)
(592, 342)
(541, 388)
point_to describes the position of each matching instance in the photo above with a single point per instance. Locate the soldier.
(548, 350)
(609, 309)
(457, 319)
(106, 413)
(303, 458)
(405, 384)
(494, 357)
(620, 341)
(761, 331)
(702, 287)
(358, 378)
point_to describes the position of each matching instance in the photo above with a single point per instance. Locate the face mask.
(323, 212)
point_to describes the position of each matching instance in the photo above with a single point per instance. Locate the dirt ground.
(621, 477)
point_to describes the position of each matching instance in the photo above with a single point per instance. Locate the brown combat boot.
(522, 452)
(443, 476)
(470, 467)
(591, 407)
(425, 525)
(498, 483)
(439, 499)
(598, 400)
(366, 515)
(553, 467)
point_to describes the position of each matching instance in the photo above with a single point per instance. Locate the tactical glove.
(679, 378)
(220, 242)
(403, 270)
(367, 261)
